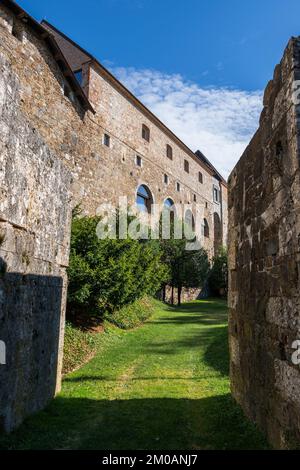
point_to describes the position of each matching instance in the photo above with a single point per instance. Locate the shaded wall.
(264, 256)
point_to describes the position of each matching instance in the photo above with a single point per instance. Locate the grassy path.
(162, 386)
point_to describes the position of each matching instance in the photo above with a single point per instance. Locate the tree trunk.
(164, 293)
(179, 295)
(172, 295)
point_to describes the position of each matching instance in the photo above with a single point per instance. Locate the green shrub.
(218, 278)
(133, 315)
(79, 347)
(105, 275)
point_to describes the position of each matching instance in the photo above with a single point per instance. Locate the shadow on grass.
(210, 305)
(202, 314)
(162, 423)
(215, 356)
(214, 422)
(203, 319)
(217, 352)
(106, 378)
(174, 347)
(210, 312)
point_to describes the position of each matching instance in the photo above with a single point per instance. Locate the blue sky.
(188, 60)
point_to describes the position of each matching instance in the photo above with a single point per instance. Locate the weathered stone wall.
(102, 174)
(120, 116)
(264, 261)
(187, 294)
(34, 246)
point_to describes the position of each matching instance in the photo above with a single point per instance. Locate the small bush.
(133, 315)
(79, 347)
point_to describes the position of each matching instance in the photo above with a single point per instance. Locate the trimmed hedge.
(106, 275)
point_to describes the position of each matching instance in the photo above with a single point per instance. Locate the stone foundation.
(187, 294)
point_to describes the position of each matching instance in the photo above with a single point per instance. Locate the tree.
(195, 269)
(187, 268)
(218, 278)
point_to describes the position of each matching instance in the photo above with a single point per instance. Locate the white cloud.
(218, 121)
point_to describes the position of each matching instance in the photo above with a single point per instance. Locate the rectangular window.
(146, 133)
(78, 75)
(139, 161)
(169, 152)
(106, 140)
(200, 177)
(216, 195)
(186, 166)
(178, 187)
(195, 198)
(166, 179)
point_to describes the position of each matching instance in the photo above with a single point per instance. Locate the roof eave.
(55, 50)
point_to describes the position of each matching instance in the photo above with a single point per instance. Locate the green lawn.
(162, 386)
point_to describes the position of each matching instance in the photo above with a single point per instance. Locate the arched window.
(169, 204)
(144, 199)
(205, 228)
(167, 219)
(189, 220)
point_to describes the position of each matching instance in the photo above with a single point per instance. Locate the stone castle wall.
(264, 263)
(34, 246)
(115, 167)
(102, 174)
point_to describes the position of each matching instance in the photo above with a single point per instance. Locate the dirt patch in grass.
(85, 320)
